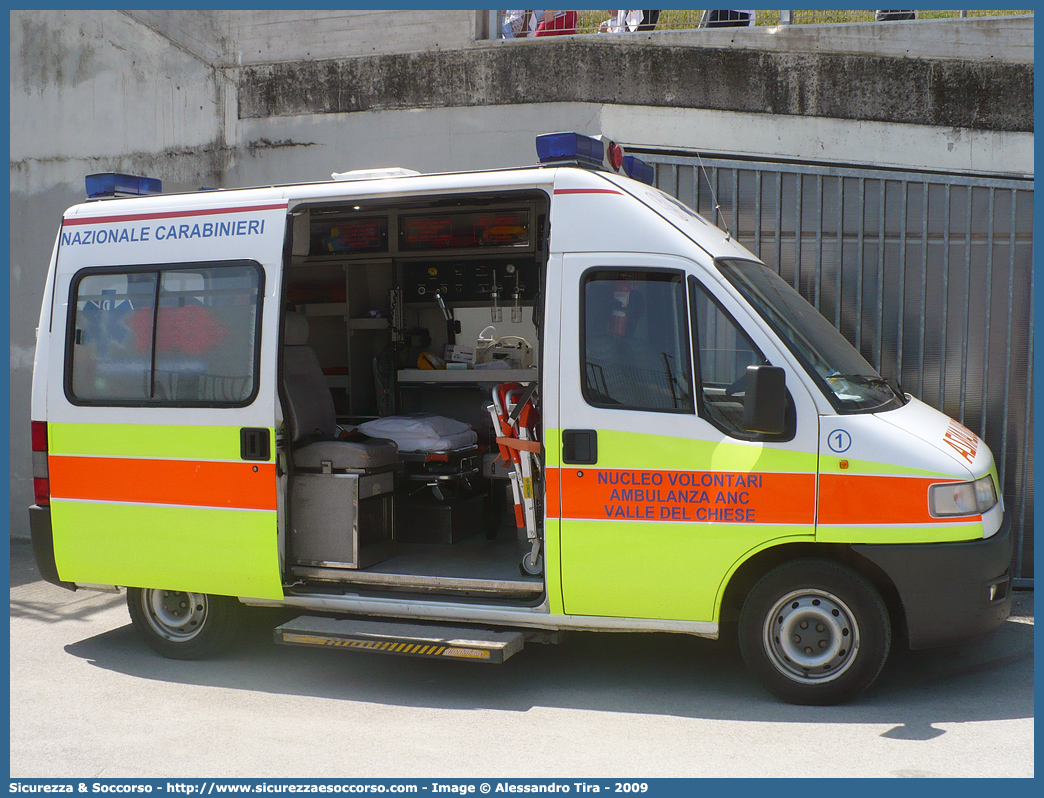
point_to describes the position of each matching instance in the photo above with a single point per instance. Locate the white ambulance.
(443, 415)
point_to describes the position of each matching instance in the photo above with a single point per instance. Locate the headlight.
(962, 498)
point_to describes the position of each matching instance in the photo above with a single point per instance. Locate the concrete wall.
(259, 37)
(233, 98)
(594, 69)
(998, 39)
(951, 115)
(243, 38)
(90, 92)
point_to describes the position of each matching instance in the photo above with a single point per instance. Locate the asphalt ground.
(90, 700)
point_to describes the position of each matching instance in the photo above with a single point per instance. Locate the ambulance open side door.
(663, 492)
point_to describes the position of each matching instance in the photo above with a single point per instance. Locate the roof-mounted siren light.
(374, 174)
(637, 169)
(570, 147)
(614, 154)
(113, 184)
(597, 151)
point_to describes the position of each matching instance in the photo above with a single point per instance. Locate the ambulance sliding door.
(162, 411)
(662, 492)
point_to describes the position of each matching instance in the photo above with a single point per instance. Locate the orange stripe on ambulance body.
(551, 493)
(687, 496)
(195, 483)
(875, 499)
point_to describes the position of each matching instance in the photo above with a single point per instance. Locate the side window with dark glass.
(205, 335)
(724, 352)
(175, 336)
(634, 346)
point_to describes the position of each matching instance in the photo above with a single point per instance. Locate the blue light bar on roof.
(638, 170)
(569, 147)
(111, 184)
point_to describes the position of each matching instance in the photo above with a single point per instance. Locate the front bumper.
(946, 588)
(43, 545)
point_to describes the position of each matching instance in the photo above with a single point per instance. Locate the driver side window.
(634, 340)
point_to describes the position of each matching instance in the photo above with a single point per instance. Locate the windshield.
(851, 384)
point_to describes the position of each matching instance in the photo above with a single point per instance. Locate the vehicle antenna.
(714, 197)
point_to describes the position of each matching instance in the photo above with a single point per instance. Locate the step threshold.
(405, 639)
(522, 588)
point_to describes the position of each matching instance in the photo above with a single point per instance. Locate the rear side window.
(184, 335)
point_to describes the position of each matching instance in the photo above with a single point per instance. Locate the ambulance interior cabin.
(411, 343)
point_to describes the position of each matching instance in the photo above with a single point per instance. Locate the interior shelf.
(467, 375)
(341, 309)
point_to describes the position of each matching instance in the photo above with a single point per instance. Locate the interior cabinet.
(348, 335)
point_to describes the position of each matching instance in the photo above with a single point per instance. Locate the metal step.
(392, 637)
(376, 578)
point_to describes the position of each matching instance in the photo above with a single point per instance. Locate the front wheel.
(182, 625)
(814, 632)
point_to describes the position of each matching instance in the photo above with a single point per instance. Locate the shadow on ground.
(637, 673)
(670, 675)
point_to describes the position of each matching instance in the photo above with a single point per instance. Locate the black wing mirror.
(765, 400)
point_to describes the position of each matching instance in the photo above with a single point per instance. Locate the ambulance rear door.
(162, 412)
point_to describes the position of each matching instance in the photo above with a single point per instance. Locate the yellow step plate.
(407, 639)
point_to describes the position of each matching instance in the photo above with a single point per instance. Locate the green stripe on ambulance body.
(160, 441)
(633, 450)
(889, 534)
(197, 549)
(553, 527)
(225, 552)
(662, 569)
(681, 567)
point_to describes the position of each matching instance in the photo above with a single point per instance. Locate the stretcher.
(434, 451)
(515, 419)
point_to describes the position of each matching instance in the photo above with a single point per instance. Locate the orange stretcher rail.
(521, 445)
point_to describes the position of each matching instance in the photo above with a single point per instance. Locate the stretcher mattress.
(422, 432)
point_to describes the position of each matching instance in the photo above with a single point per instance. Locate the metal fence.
(930, 276)
(589, 21)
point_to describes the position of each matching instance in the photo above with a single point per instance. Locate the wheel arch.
(749, 571)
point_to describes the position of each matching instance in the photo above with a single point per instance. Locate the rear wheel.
(814, 632)
(182, 625)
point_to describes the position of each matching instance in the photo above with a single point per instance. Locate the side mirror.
(765, 400)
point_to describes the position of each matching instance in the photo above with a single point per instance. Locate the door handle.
(579, 446)
(253, 443)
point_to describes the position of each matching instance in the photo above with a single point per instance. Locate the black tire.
(182, 625)
(840, 616)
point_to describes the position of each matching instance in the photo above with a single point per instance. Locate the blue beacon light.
(638, 170)
(111, 184)
(570, 147)
(575, 147)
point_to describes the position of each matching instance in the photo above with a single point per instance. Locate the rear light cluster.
(41, 480)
